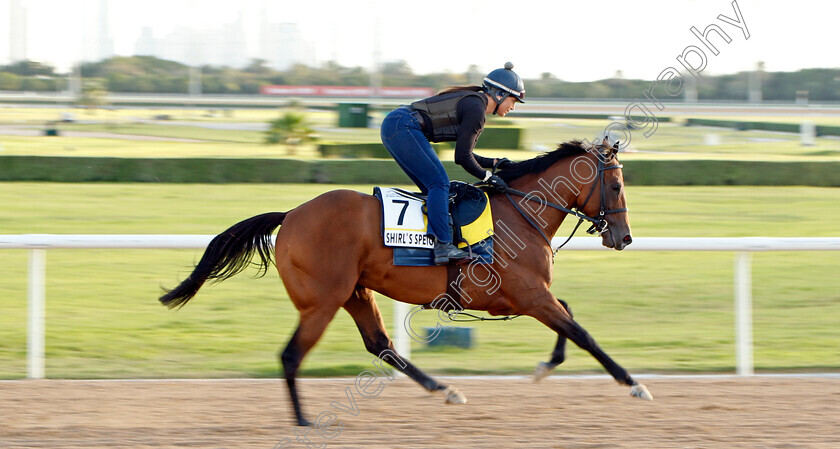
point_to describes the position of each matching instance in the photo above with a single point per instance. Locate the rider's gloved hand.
(495, 181)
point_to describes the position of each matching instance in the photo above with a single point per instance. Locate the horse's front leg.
(554, 315)
(558, 355)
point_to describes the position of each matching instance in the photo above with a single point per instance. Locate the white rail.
(742, 246)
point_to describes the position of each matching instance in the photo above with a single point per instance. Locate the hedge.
(192, 170)
(821, 130)
(825, 130)
(360, 150)
(495, 137)
(709, 172)
(500, 137)
(386, 172)
(353, 150)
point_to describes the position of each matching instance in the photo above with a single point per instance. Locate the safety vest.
(441, 111)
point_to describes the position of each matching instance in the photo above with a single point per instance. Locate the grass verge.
(662, 312)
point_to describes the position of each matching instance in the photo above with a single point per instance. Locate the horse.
(324, 271)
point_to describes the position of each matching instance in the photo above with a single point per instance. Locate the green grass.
(653, 312)
(193, 132)
(676, 141)
(113, 147)
(670, 141)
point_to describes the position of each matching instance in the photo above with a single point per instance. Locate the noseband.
(599, 223)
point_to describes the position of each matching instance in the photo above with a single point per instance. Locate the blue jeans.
(402, 136)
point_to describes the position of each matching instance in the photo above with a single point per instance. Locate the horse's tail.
(228, 254)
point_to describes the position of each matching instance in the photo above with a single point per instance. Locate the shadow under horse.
(324, 270)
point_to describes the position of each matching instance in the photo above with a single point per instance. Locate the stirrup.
(444, 253)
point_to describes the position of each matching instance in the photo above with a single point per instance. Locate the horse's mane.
(541, 163)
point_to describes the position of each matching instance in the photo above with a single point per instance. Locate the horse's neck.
(556, 185)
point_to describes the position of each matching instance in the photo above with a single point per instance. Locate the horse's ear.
(615, 147)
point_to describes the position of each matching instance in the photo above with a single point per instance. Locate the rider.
(455, 115)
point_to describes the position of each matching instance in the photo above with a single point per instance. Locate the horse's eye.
(616, 187)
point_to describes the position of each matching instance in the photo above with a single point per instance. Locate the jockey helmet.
(503, 83)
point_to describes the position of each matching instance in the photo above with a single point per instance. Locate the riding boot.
(446, 252)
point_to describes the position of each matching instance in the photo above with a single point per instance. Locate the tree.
(473, 75)
(38, 84)
(10, 81)
(94, 94)
(290, 129)
(29, 68)
(257, 66)
(151, 74)
(397, 70)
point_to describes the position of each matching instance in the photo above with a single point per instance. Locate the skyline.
(573, 42)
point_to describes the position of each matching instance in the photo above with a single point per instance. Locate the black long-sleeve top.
(471, 116)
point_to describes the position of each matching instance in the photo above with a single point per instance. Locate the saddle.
(404, 223)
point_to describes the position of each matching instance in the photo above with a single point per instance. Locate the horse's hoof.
(543, 369)
(303, 422)
(452, 396)
(640, 391)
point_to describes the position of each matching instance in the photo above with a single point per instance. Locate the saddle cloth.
(404, 223)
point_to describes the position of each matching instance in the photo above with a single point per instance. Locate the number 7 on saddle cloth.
(404, 224)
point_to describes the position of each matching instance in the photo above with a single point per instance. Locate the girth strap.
(453, 271)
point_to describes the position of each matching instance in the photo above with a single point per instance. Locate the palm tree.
(290, 129)
(93, 95)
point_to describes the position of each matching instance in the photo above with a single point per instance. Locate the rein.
(599, 223)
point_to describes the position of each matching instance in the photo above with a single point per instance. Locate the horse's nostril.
(627, 239)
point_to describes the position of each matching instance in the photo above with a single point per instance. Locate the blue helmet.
(503, 83)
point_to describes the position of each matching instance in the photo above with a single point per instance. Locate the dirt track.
(558, 413)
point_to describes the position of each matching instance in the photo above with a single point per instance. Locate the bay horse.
(324, 270)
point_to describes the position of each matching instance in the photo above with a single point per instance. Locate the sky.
(573, 41)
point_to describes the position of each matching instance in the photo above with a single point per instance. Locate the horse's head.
(603, 199)
(577, 178)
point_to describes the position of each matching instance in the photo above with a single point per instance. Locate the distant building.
(225, 45)
(281, 45)
(17, 31)
(179, 45)
(146, 44)
(99, 41)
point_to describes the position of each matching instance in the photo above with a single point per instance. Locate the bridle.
(599, 222)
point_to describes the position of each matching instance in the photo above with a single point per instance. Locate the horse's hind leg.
(558, 355)
(362, 307)
(309, 330)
